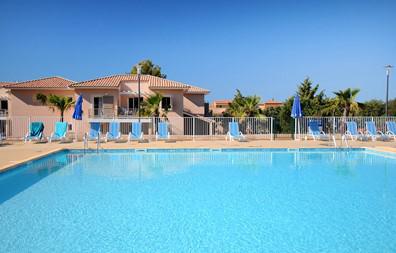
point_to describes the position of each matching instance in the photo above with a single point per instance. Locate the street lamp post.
(139, 71)
(388, 69)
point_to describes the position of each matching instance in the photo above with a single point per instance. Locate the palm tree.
(251, 106)
(242, 106)
(346, 99)
(151, 106)
(61, 103)
(235, 110)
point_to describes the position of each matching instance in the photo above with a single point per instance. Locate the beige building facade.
(105, 99)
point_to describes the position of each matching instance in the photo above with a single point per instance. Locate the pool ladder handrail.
(334, 141)
(85, 142)
(345, 140)
(98, 143)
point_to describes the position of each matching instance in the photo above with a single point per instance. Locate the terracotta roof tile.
(154, 83)
(197, 90)
(48, 82)
(222, 101)
(272, 101)
(108, 81)
(2, 84)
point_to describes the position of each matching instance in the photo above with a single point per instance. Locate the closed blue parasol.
(296, 113)
(78, 109)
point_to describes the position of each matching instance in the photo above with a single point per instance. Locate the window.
(166, 103)
(3, 105)
(97, 106)
(133, 103)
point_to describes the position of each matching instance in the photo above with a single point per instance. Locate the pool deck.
(12, 154)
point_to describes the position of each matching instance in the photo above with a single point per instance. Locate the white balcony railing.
(101, 113)
(3, 113)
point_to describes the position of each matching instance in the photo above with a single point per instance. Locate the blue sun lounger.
(391, 129)
(373, 133)
(114, 133)
(60, 132)
(94, 132)
(316, 133)
(163, 132)
(233, 132)
(353, 133)
(35, 133)
(136, 131)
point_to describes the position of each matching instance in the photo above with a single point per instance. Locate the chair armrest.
(379, 132)
(51, 137)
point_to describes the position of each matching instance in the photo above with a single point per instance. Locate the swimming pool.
(269, 200)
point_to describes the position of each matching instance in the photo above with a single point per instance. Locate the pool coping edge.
(15, 164)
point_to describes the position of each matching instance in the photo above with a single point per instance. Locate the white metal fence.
(196, 127)
(337, 125)
(191, 128)
(16, 128)
(179, 127)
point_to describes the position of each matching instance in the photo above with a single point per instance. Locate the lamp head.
(139, 69)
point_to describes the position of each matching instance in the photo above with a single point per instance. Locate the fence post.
(211, 129)
(193, 128)
(272, 128)
(74, 127)
(334, 125)
(29, 122)
(153, 131)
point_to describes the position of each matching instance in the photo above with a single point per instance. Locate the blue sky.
(264, 48)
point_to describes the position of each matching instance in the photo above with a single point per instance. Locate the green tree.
(60, 103)
(346, 100)
(392, 107)
(313, 103)
(151, 107)
(242, 106)
(372, 108)
(148, 68)
(274, 112)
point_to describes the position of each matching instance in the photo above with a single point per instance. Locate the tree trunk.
(347, 110)
(61, 119)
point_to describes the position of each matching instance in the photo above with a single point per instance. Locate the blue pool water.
(201, 201)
